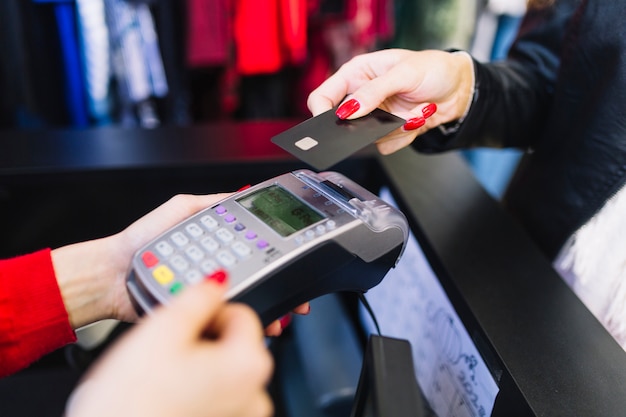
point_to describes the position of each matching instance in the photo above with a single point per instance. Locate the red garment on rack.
(269, 35)
(374, 21)
(33, 319)
(209, 32)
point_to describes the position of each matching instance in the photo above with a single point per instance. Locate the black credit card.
(324, 140)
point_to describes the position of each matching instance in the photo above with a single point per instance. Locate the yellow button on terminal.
(163, 275)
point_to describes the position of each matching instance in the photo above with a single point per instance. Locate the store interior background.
(148, 63)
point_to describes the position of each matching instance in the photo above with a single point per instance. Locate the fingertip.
(274, 329)
(285, 321)
(318, 105)
(383, 149)
(429, 110)
(387, 147)
(303, 309)
(348, 108)
(414, 123)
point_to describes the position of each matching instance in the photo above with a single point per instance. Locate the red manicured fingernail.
(284, 321)
(429, 110)
(414, 123)
(347, 109)
(220, 276)
(245, 187)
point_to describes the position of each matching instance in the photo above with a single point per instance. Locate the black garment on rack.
(170, 23)
(31, 70)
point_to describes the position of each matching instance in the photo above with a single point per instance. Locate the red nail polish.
(414, 123)
(284, 321)
(347, 109)
(220, 276)
(245, 187)
(429, 110)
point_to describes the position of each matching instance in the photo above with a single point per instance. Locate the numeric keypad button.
(226, 258)
(209, 244)
(194, 253)
(164, 248)
(194, 230)
(224, 235)
(209, 266)
(193, 277)
(209, 222)
(179, 239)
(179, 263)
(241, 249)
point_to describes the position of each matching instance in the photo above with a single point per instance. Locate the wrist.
(466, 91)
(87, 273)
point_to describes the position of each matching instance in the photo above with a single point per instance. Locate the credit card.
(324, 140)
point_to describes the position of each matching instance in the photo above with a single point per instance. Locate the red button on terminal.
(149, 259)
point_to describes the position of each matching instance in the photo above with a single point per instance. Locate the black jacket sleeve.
(512, 96)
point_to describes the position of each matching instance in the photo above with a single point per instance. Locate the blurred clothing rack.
(150, 62)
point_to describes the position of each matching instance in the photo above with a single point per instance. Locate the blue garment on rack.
(74, 81)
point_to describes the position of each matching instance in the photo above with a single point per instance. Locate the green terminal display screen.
(280, 210)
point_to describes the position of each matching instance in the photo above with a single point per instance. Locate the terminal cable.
(369, 309)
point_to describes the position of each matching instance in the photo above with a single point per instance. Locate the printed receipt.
(411, 304)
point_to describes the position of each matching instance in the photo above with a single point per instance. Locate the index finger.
(351, 76)
(328, 94)
(348, 78)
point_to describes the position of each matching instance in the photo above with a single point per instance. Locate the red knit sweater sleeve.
(33, 319)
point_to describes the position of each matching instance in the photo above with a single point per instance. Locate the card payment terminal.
(282, 242)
